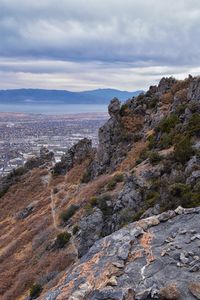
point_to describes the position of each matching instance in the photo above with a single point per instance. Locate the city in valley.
(22, 135)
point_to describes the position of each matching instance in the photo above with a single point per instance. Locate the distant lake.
(53, 109)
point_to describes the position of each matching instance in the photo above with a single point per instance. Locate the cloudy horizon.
(80, 45)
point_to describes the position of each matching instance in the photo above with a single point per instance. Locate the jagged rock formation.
(45, 157)
(91, 228)
(155, 258)
(115, 139)
(194, 90)
(75, 155)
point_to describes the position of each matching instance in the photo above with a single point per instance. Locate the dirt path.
(53, 212)
(47, 180)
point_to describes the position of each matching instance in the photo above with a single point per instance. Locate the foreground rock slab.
(150, 259)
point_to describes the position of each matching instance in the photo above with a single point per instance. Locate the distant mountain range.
(99, 96)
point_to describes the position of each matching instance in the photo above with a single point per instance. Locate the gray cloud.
(84, 39)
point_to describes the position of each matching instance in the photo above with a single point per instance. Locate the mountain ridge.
(97, 96)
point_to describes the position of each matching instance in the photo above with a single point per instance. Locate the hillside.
(118, 222)
(100, 96)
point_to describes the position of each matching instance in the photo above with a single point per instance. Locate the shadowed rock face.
(75, 155)
(165, 84)
(109, 138)
(194, 90)
(147, 259)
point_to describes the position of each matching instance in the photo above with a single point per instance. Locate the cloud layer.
(84, 44)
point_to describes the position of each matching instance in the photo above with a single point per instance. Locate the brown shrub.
(170, 292)
(167, 98)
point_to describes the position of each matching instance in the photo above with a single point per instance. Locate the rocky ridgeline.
(75, 155)
(154, 258)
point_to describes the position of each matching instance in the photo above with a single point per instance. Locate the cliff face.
(108, 217)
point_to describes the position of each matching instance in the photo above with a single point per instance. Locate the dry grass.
(133, 155)
(133, 123)
(23, 255)
(167, 98)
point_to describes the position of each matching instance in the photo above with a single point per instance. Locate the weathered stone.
(194, 90)
(194, 288)
(90, 230)
(75, 155)
(144, 272)
(26, 211)
(170, 292)
(183, 259)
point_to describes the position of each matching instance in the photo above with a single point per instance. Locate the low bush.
(183, 149)
(165, 141)
(143, 155)
(151, 198)
(194, 106)
(123, 109)
(152, 141)
(152, 103)
(66, 215)
(35, 291)
(179, 189)
(62, 239)
(180, 109)
(119, 177)
(102, 204)
(93, 201)
(3, 190)
(193, 126)
(86, 176)
(111, 185)
(137, 137)
(154, 157)
(75, 229)
(168, 123)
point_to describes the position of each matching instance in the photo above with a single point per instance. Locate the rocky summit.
(121, 221)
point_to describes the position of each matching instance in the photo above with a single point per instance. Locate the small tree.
(35, 291)
(62, 239)
(183, 150)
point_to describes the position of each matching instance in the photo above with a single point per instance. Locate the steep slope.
(108, 216)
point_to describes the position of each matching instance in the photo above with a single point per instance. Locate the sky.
(87, 44)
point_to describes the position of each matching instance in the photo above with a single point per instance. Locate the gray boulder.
(90, 230)
(194, 90)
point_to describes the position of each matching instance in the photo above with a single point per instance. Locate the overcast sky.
(87, 44)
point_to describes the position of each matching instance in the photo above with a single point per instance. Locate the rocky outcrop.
(90, 230)
(166, 84)
(113, 142)
(24, 213)
(45, 158)
(194, 90)
(128, 203)
(109, 138)
(75, 155)
(150, 259)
